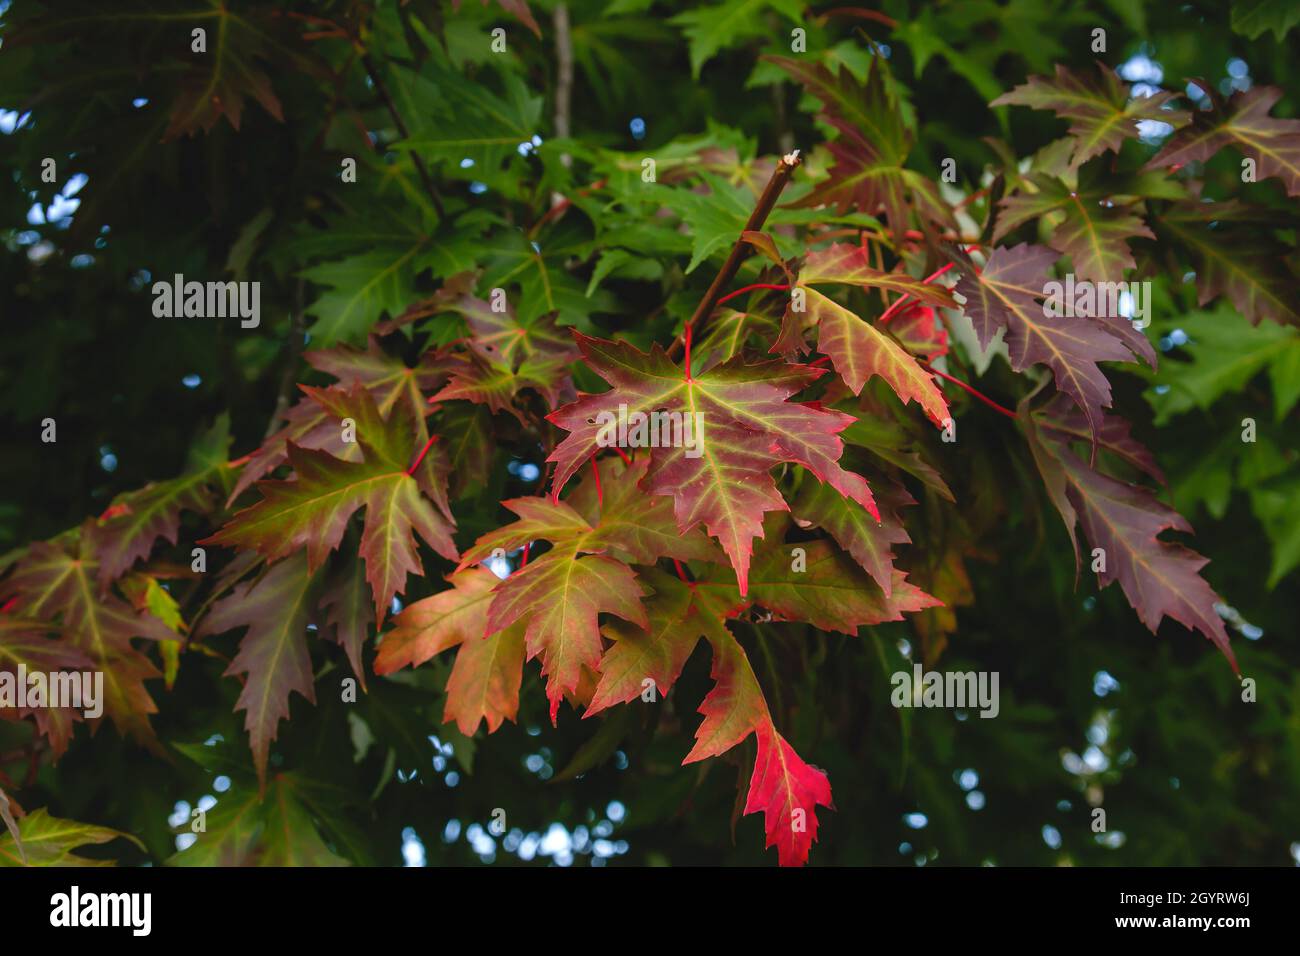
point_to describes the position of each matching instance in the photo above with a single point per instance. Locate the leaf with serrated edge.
(1005, 294)
(1159, 578)
(787, 791)
(431, 625)
(1243, 121)
(484, 681)
(276, 608)
(869, 542)
(312, 511)
(657, 652)
(49, 582)
(748, 427)
(1101, 111)
(859, 350)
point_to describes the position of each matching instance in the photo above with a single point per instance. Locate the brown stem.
(563, 75)
(766, 202)
(406, 133)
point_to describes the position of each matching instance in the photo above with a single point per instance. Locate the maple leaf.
(1159, 578)
(847, 263)
(730, 332)
(309, 423)
(312, 511)
(49, 584)
(485, 678)
(786, 789)
(714, 209)
(276, 608)
(734, 707)
(711, 27)
(461, 459)
(146, 593)
(49, 841)
(497, 385)
(894, 440)
(221, 78)
(276, 827)
(747, 427)
(510, 356)
(541, 268)
(138, 519)
(427, 627)
(1005, 295)
(347, 606)
(1093, 232)
(823, 586)
(868, 172)
(500, 338)
(860, 350)
(23, 643)
(657, 652)
(484, 681)
(561, 593)
(618, 525)
(1103, 114)
(361, 287)
(637, 527)
(1224, 357)
(1241, 121)
(1254, 17)
(920, 330)
(1234, 256)
(867, 540)
(516, 8)
(375, 254)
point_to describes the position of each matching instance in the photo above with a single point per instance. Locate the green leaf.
(711, 28)
(49, 841)
(1224, 354)
(1277, 506)
(277, 829)
(1251, 18)
(867, 540)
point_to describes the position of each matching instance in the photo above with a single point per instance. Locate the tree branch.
(563, 75)
(406, 133)
(766, 202)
